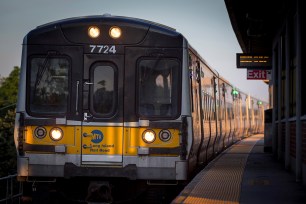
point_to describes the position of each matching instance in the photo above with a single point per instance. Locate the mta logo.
(97, 136)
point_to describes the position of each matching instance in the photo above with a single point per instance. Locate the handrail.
(10, 189)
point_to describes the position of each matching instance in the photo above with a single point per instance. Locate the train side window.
(158, 88)
(209, 107)
(204, 105)
(48, 85)
(212, 105)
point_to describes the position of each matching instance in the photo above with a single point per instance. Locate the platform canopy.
(255, 22)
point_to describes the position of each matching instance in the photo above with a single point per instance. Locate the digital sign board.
(255, 61)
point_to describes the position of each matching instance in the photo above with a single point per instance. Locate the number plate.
(103, 49)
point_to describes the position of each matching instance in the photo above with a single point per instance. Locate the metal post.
(274, 94)
(279, 104)
(287, 94)
(298, 95)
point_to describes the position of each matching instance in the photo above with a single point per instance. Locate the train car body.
(114, 97)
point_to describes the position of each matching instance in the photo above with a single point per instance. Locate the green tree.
(8, 99)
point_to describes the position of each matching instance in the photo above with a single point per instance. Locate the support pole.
(287, 94)
(298, 94)
(279, 99)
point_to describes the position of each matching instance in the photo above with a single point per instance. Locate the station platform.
(244, 173)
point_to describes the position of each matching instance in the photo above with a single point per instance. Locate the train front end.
(101, 97)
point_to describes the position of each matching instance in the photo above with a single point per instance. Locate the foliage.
(9, 88)
(8, 99)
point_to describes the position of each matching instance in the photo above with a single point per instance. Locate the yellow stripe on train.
(97, 140)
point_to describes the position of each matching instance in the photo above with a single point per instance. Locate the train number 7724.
(103, 49)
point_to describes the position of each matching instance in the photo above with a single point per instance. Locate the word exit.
(258, 74)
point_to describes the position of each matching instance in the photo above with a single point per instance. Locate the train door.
(216, 107)
(201, 154)
(197, 112)
(222, 115)
(102, 125)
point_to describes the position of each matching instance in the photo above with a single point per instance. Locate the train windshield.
(48, 85)
(158, 87)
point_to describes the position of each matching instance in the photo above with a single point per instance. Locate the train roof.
(101, 18)
(203, 60)
(75, 30)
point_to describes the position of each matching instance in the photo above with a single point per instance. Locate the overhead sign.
(258, 74)
(254, 61)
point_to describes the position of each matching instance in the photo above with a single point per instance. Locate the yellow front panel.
(96, 140)
(102, 140)
(71, 137)
(68, 138)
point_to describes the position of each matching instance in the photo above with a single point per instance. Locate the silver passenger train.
(106, 97)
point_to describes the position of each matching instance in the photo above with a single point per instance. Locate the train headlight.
(148, 136)
(56, 134)
(115, 32)
(164, 135)
(93, 32)
(40, 132)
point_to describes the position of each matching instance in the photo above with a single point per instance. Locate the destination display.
(255, 61)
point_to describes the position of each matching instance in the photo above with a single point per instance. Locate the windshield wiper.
(43, 68)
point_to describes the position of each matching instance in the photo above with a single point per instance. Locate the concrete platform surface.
(244, 173)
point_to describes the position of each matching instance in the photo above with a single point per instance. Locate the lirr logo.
(97, 136)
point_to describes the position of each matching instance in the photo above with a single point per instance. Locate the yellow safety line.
(220, 181)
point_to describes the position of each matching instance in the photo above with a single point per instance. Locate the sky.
(205, 24)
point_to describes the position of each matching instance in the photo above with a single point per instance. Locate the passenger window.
(49, 85)
(158, 87)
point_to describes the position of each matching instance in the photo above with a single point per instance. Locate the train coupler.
(99, 192)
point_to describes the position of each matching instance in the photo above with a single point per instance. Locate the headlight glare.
(93, 31)
(115, 32)
(148, 136)
(56, 134)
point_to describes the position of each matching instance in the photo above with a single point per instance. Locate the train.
(106, 98)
